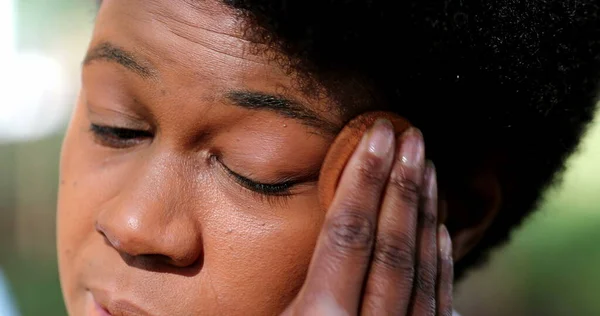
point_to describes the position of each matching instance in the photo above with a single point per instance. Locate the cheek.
(76, 192)
(255, 254)
(262, 265)
(82, 188)
(73, 225)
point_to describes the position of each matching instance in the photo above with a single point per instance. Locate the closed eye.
(270, 189)
(118, 137)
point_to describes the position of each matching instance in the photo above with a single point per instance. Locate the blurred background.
(550, 267)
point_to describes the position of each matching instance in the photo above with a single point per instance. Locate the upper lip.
(117, 306)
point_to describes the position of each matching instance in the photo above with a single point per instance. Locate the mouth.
(104, 303)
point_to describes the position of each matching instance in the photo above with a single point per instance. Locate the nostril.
(170, 261)
(112, 242)
(101, 230)
(164, 264)
(189, 260)
(98, 227)
(140, 241)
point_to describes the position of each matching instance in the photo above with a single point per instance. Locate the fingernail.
(444, 242)
(380, 139)
(412, 151)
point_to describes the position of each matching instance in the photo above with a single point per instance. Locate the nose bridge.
(150, 216)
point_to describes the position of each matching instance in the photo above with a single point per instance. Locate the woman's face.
(188, 172)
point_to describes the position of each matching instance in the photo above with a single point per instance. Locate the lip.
(107, 304)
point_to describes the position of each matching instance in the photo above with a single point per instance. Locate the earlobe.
(470, 212)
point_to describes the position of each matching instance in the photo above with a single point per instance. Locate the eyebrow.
(251, 100)
(109, 52)
(283, 106)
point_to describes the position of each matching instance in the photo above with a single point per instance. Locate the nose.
(149, 220)
(136, 235)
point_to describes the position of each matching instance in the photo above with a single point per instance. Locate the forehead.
(198, 45)
(205, 38)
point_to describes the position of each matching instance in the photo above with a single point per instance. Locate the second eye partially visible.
(117, 137)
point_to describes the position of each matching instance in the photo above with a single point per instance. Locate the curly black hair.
(516, 78)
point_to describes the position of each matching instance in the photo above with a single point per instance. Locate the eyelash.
(117, 137)
(271, 191)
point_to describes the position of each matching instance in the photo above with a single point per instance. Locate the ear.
(469, 209)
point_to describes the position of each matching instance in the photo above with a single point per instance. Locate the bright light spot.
(33, 94)
(133, 223)
(7, 30)
(32, 98)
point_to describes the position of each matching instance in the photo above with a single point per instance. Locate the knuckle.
(407, 188)
(427, 305)
(425, 279)
(377, 301)
(351, 231)
(374, 295)
(396, 252)
(370, 172)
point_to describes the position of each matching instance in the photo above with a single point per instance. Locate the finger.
(344, 247)
(445, 273)
(389, 285)
(424, 300)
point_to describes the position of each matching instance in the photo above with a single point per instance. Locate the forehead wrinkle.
(216, 31)
(205, 67)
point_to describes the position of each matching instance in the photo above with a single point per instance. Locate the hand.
(381, 251)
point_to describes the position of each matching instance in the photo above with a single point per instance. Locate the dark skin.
(362, 264)
(184, 192)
